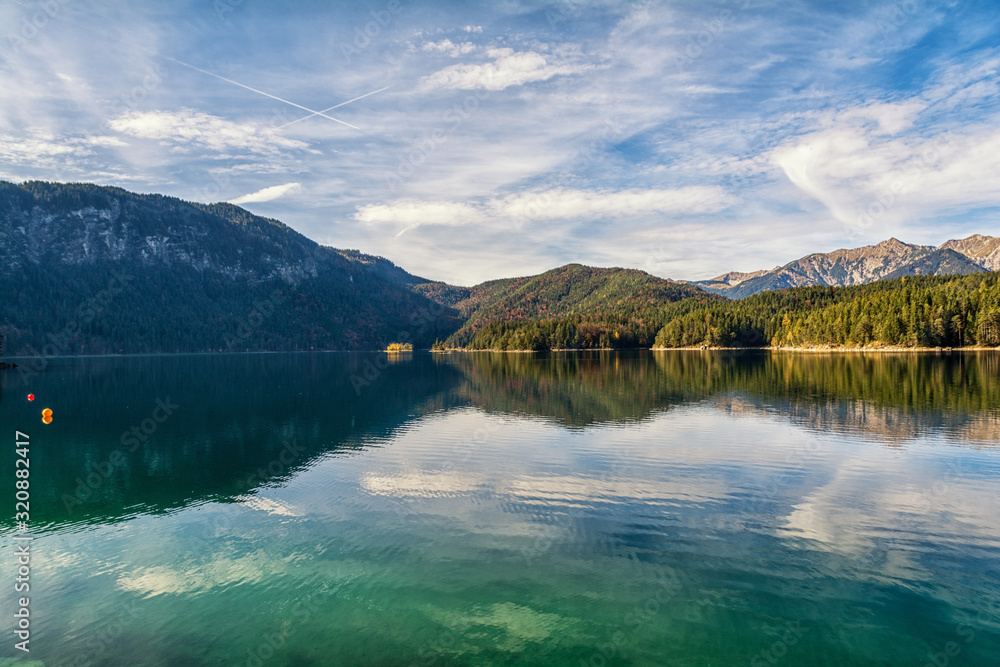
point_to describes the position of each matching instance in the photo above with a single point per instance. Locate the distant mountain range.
(93, 270)
(856, 266)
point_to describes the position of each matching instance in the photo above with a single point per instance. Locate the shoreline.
(970, 348)
(894, 349)
(782, 348)
(555, 349)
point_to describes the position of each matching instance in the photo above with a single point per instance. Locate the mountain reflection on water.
(237, 414)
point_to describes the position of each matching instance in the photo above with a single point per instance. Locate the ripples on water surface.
(677, 508)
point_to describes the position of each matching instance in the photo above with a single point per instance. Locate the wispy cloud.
(507, 68)
(269, 194)
(447, 47)
(565, 203)
(411, 214)
(65, 155)
(512, 133)
(887, 162)
(187, 128)
(556, 204)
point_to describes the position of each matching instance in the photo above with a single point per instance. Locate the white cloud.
(18, 149)
(221, 571)
(42, 146)
(68, 155)
(446, 46)
(590, 204)
(268, 194)
(413, 213)
(188, 127)
(890, 118)
(866, 166)
(473, 28)
(508, 68)
(556, 204)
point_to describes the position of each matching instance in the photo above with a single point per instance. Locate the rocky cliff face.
(983, 250)
(855, 266)
(200, 278)
(56, 225)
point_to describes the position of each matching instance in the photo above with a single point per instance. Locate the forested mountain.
(856, 266)
(928, 311)
(382, 267)
(592, 307)
(922, 311)
(101, 270)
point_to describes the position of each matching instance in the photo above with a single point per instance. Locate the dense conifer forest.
(931, 311)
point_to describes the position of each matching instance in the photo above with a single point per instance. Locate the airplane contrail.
(312, 112)
(320, 113)
(261, 92)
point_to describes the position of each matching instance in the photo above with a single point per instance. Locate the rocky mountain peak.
(894, 245)
(984, 250)
(891, 258)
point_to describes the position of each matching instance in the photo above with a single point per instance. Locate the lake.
(583, 509)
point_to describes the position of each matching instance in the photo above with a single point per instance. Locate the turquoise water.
(676, 508)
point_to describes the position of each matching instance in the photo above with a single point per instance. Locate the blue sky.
(507, 138)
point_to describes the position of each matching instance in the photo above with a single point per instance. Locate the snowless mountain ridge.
(81, 225)
(854, 266)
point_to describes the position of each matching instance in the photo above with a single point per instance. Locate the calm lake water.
(675, 508)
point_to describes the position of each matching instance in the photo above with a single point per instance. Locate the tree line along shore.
(913, 313)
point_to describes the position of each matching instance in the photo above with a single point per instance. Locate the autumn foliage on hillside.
(573, 306)
(924, 311)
